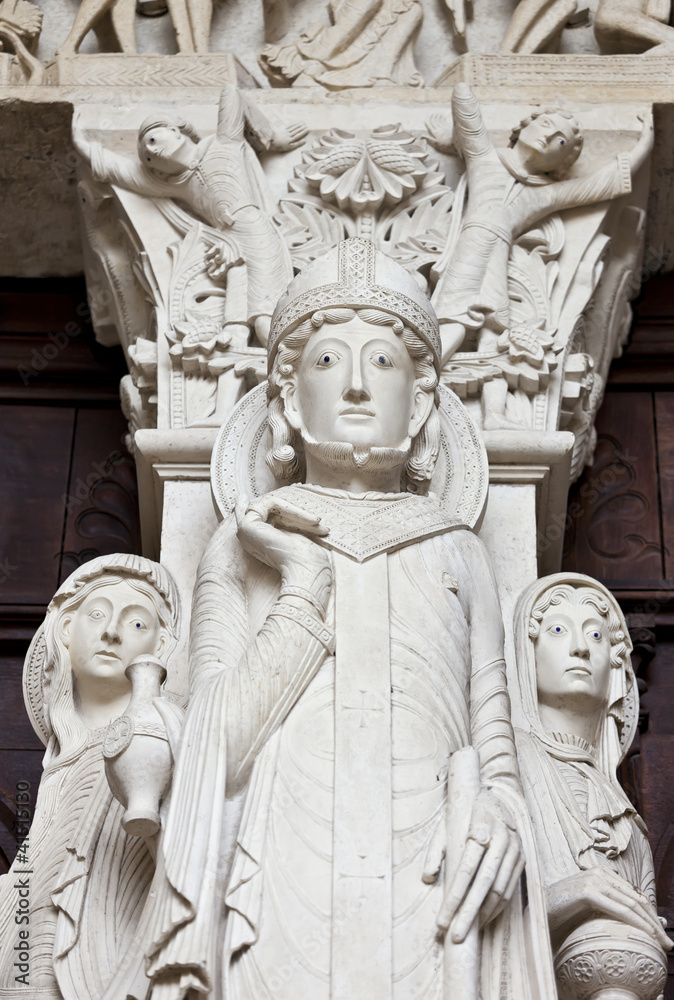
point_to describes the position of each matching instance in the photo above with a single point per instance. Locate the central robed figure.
(346, 642)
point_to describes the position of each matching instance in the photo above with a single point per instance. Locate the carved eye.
(562, 142)
(557, 629)
(327, 359)
(151, 140)
(382, 360)
(96, 615)
(594, 634)
(138, 623)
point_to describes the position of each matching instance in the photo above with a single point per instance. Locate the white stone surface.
(79, 877)
(579, 695)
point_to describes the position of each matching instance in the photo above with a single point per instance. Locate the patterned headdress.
(355, 275)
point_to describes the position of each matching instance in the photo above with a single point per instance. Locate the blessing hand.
(488, 872)
(275, 532)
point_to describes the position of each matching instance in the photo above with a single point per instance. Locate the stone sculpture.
(327, 845)
(219, 178)
(509, 192)
(634, 26)
(619, 25)
(84, 878)
(369, 44)
(20, 26)
(536, 25)
(191, 20)
(580, 699)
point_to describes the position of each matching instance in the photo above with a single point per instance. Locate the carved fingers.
(488, 872)
(280, 535)
(440, 131)
(602, 891)
(289, 137)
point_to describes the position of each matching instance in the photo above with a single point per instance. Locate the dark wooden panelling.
(664, 415)
(35, 448)
(613, 528)
(102, 502)
(16, 732)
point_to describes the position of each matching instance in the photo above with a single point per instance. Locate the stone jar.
(607, 960)
(138, 759)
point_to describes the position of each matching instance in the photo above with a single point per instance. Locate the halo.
(33, 676)
(238, 466)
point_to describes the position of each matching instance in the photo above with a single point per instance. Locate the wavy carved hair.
(575, 147)
(285, 458)
(68, 732)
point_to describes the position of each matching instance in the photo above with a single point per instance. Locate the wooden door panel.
(35, 447)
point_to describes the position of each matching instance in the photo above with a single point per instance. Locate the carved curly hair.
(575, 147)
(283, 458)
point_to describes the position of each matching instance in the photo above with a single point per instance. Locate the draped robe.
(287, 870)
(86, 885)
(224, 185)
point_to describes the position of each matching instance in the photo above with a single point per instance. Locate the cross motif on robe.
(362, 708)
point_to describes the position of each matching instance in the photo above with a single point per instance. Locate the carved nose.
(111, 632)
(356, 389)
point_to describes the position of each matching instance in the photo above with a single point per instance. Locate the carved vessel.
(607, 960)
(138, 758)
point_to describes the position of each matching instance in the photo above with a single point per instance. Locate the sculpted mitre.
(346, 642)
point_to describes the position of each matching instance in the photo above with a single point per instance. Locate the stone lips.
(460, 480)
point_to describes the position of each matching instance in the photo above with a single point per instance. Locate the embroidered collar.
(363, 525)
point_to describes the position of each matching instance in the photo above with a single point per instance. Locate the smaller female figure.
(85, 880)
(579, 695)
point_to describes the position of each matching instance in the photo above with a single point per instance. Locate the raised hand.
(275, 532)
(289, 137)
(441, 132)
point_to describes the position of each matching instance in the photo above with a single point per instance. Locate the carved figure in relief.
(84, 878)
(369, 44)
(220, 180)
(536, 25)
(634, 26)
(509, 192)
(20, 26)
(191, 20)
(319, 772)
(580, 698)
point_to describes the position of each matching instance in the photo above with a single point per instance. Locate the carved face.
(162, 142)
(113, 625)
(356, 384)
(548, 141)
(573, 658)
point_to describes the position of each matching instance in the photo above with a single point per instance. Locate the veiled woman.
(579, 696)
(87, 878)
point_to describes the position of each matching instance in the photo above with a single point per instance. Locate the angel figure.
(580, 699)
(369, 44)
(221, 181)
(509, 192)
(191, 20)
(85, 880)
